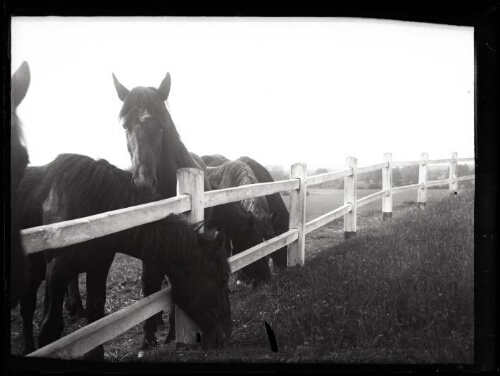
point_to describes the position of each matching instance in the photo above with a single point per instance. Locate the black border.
(482, 15)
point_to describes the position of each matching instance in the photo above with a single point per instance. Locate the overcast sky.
(280, 90)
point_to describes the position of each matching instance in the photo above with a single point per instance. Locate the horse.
(74, 186)
(235, 174)
(19, 159)
(214, 160)
(154, 144)
(275, 201)
(276, 204)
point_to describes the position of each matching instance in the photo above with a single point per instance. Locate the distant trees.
(278, 172)
(401, 176)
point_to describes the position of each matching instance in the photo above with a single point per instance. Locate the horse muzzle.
(144, 181)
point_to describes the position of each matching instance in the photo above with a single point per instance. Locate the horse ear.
(20, 83)
(120, 89)
(164, 88)
(274, 216)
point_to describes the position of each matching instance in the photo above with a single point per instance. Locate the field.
(399, 292)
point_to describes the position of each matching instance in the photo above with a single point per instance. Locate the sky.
(279, 90)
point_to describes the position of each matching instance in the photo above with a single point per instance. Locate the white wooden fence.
(192, 199)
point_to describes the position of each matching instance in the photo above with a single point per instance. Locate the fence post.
(422, 180)
(296, 250)
(387, 184)
(189, 181)
(351, 197)
(453, 174)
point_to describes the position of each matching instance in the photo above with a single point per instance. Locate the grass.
(399, 292)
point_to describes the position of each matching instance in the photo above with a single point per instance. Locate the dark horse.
(155, 147)
(235, 174)
(275, 201)
(74, 186)
(19, 264)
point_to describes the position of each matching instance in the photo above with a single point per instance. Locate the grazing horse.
(276, 204)
(235, 174)
(275, 201)
(19, 263)
(74, 186)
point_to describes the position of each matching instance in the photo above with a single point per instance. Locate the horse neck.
(174, 155)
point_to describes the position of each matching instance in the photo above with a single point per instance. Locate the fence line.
(193, 200)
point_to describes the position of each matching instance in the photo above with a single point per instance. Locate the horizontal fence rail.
(328, 176)
(258, 251)
(327, 218)
(373, 197)
(75, 231)
(224, 196)
(76, 344)
(362, 170)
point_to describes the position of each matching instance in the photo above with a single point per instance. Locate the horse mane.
(235, 174)
(92, 186)
(275, 201)
(181, 241)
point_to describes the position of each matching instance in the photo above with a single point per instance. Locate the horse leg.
(96, 300)
(280, 258)
(72, 300)
(171, 323)
(56, 280)
(151, 282)
(28, 307)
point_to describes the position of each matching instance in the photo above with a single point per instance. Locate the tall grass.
(401, 291)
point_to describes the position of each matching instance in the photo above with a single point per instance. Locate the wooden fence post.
(189, 181)
(296, 250)
(387, 184)
(351, 197)
(422, 180)
(453, 174)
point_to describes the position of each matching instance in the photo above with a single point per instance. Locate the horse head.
(144, 117)
(200, 288)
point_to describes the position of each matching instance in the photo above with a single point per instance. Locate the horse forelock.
(172, 148)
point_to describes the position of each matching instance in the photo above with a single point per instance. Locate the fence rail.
(193, 200)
